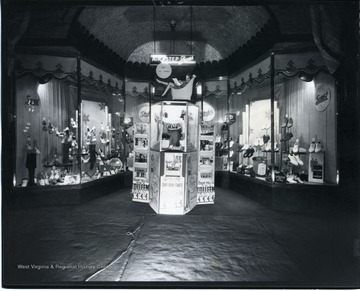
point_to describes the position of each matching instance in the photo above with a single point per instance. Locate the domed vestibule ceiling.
(210, 33)
(122, 37)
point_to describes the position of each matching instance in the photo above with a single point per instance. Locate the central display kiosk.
(167, 160)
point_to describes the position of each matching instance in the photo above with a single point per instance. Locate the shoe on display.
(297, 179)
(285, 123)
(295, 148)
(312, 146)
(256, 142)
(24, 183)
(276, 149)
(293, 160)
(318, 147)
(268, 147)
(287, 136)
(266, 138)
(299, 161)
(290, 179)
(290, 123)
(251, 152)
(246, 153)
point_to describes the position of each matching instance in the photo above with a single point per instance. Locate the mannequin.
(30, 164)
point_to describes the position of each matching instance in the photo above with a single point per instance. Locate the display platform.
(308, 197)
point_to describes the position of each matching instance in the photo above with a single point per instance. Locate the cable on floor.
(129, 248)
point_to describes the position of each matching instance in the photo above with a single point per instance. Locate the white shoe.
(24, 183)
(312, 146)
(296, 147)
(293, 160)
(276, 149)
(300, 162)
(268, 146)
(291, 180)
(318, 147)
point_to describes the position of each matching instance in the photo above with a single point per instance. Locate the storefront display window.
(64, 138)
(285, 124)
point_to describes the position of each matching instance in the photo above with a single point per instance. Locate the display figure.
(31, 153)
(177, 84)
(66, 144)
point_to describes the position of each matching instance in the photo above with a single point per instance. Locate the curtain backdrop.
(54, 108)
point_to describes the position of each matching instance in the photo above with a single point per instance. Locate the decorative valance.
(43, 66)
(253, 75)
(65, 68)
(286, 65)
(290, 65)
(217, 89)
(104, 81)
(136, 89)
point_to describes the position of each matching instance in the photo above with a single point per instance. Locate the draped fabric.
(54, 107)
(327, 29)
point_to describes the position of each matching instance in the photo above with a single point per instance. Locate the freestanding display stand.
(174, 173)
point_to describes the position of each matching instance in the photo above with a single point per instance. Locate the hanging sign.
(322, 97)
(175, 60)
(144, 114)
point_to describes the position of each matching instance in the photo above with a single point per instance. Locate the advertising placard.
(172, 195)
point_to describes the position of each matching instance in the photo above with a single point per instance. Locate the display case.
(172, 163)
(285, 131)
(140, 184)
(174, 126)
(206, 166)
(174, 147)
(65, 132)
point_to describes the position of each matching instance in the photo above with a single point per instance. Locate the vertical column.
(79, 110)
(272, 96)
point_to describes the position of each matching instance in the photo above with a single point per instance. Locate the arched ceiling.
(211, 33)
(122, 37)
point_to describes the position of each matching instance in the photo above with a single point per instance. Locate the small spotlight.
(306, 77)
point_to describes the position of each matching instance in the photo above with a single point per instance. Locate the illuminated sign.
(208, 112)
(176, 60)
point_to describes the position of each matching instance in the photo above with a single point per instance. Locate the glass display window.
(175, 126)
(47, 132)
(285, 127)
(65, 132)
(214, 106)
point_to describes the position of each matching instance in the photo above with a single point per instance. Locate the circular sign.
(322, 97)
(144, 113)
(208, 112)
(163, 71)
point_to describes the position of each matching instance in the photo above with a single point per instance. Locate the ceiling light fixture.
(306, 77)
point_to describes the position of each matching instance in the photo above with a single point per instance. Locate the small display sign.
(177, 60)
